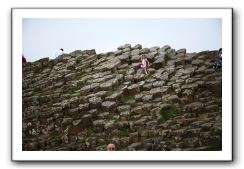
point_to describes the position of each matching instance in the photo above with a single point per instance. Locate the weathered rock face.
(84, 100)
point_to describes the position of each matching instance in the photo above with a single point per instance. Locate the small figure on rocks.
(144, 64)
(60, 52)
(110, 147)
(220, 53)
(218, 62)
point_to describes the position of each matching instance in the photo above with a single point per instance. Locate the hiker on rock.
(59, 52)
(218, 62)
(144, 64)
(220, 53)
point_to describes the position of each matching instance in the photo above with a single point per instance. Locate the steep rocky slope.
(84, 100)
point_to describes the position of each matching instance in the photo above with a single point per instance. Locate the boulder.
(154, 49)
(108, 85)
(66, 121)
(135, 52)
(197, 62)
(85, 90)
(109, 106)
(134, 137)
(95, 102)
(95, 87)
(181, 51)
(137, 46)
(125, 50)
(124, 46)
(104, 115)
(110, 126)
(99, 124)
(112, 64)
(125, 115)
(159, 63)
(124, 108)
(115, 97)
(147, 87)
(144, 51)
(165, 48)
(180, 62)
(136, 110)
(133, 89)
(135, 146)
(118, 52)
(201, 70)
(139, 77)
(156, 92)
(173, 99)
(84, 107)
(147, 98)
(158, 83)
(124, 58)
(135, 58)
(194, 107)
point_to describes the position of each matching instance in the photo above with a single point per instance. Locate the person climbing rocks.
(144, 64)
(110, 147)
(218, 62)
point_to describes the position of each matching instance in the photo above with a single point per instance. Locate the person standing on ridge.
(60, 52)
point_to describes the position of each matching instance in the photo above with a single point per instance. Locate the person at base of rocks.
(149, 147)
(144, 64)
(110, 147)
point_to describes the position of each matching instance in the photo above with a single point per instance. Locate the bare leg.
(145, 71)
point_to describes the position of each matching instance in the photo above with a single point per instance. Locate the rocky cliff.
(83, 101)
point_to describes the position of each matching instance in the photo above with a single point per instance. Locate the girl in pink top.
(144, 63)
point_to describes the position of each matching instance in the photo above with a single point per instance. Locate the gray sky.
(44, 37)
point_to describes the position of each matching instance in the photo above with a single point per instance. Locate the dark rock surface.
(84, 100)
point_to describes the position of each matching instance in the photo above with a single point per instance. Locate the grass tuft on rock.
(167, 113)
